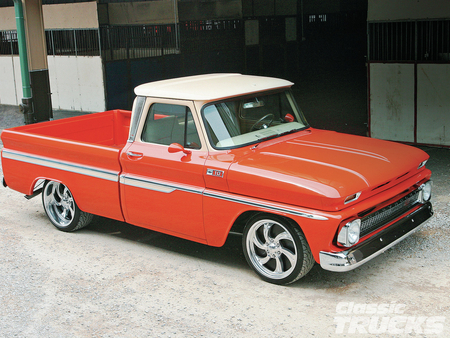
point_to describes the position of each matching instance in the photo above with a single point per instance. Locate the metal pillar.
(27, 101)
(36, 103)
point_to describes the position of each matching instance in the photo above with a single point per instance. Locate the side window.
(169, 123)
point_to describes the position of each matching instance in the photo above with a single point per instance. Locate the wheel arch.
(40, 182)
(240, 222)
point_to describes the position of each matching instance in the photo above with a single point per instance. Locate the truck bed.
(108, 128)
(83, 150)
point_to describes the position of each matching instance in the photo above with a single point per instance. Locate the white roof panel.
(209, 87)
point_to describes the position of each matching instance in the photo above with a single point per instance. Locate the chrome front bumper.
(377, 244)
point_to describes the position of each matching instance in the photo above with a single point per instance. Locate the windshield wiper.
(265, 138)
(290, 131)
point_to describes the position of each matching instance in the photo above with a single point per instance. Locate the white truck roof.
(209, 87)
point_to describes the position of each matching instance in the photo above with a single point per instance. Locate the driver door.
(162, 185)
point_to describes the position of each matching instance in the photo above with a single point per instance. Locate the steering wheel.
(264, 125)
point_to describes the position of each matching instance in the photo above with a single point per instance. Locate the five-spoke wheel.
(276, 249)
(61, 208)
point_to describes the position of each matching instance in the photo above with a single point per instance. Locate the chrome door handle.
(134, 155)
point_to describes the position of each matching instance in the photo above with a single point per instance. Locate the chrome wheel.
(61, 208)
(277, 251)
(59, 203)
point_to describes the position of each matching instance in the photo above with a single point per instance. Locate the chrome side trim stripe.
(65, 166)
(140, 182)
(164, 187)
(264, 205)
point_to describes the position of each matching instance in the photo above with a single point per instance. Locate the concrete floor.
(112, 279)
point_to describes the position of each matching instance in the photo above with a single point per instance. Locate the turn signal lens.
(352, 198)
(422, 164)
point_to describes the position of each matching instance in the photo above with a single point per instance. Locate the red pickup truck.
(201, 156)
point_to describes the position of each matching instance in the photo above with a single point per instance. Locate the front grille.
(379, 218)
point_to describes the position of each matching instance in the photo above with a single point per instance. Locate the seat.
(163, 131)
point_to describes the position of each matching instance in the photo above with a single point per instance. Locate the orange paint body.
(285, 176)
(318, 179)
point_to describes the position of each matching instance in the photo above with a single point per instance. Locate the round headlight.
(349, 234)
(353, 231)
(426, 191)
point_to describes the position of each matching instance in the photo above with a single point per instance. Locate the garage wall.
(410, 102)
(409, 70)
(138, 13)
(76, 15)
(433, 104)
(7, 18)
(76, 82)
(392, 101)
(10, 83)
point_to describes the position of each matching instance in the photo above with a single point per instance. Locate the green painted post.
(21, 39)
(27, 104)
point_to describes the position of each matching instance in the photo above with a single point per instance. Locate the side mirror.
(176, 147)
(289, 118)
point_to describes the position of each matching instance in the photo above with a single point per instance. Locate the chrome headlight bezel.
(350, 232)
(425, 192)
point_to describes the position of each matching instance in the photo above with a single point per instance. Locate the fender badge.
(214, 172)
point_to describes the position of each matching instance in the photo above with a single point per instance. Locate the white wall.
(394, 99)
(433, 104)
(10, 83)
(76, 82)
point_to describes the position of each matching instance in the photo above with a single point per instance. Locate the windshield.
(251, 119)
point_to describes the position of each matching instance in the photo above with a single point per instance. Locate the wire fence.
(59, 42)
(83, 42)
(8, 43)
(111, 42)
(137, 41)
(426, 41)
(211, 35)
(143, 41)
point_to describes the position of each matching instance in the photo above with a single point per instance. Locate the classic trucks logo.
(214, 172)
(384, 318)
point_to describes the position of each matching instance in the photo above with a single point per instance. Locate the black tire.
(61, 209)
(276, 249)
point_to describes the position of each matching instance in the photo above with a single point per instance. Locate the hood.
(320, 169)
